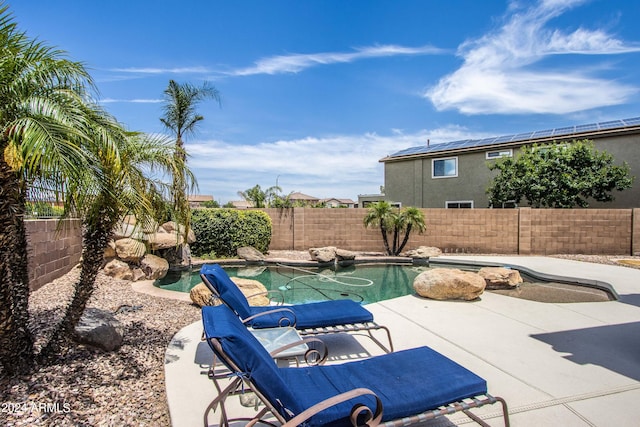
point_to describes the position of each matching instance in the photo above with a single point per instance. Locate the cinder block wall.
(53, 250)
(523, 231)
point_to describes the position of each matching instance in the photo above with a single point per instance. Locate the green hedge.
(220, 232)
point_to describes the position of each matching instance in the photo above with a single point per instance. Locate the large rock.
(423, 252)
(154, 267)
(250, 254)
(118, 270)
(326, 254)
(127, 230)
(251, 287)
(449, 283)
(164, 240)
(500, 277)
(99, 328)
(345, 255)
(201, 296)
(173, 227)
(177, 255)
(130, 249)
(110, 250)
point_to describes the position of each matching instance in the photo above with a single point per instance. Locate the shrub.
(223, 231)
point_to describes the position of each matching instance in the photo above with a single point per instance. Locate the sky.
(315, 93)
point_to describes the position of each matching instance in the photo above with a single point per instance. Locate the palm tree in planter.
(119, 186)
(41, 122)
(393, 222)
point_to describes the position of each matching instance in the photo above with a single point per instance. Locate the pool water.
(369, 283)
(364, 283)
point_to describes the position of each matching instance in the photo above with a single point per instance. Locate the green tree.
(563, 175)
(211, 204)
(393, 222)
(258, 197)
(118, 186)
(181, 119)
(42, 95)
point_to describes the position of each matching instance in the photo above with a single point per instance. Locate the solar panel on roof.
(563, 131)
(633, 121)
(585, 128)
(610, 124)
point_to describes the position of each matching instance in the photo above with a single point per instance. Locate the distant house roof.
(200, 198)
(570, 132)
(341, 201)
(304, 197)
(241, 204)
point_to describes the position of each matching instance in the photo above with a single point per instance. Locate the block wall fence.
(522, 231)
(55, 251)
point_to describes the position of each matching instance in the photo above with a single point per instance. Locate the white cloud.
(295, 63)
(499, 73)
(332, 166)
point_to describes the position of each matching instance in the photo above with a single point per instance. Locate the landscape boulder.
(500, 277)
(250, 287)
(449, 284)
(118, 270)
(345, 255)
(250, 254)
(99, 328)
(201, 296)
(423, 252)
(171, 227)
(129, 249)
(326, 254)
(154, 267)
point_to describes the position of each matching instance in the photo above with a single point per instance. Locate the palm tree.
(411, 218)
(181, 118)
(119, 187)
(41, 121)
(259, 198)
(395, 222)
(380, 214)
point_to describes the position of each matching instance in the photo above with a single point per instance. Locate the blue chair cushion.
(226, 289)
(407, 382)
(315, 314)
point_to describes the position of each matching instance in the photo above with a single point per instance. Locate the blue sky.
(315, 93)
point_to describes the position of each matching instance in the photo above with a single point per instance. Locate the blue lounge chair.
(309, 319)
(393, 389)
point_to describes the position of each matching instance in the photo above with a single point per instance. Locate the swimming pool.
(368, 283)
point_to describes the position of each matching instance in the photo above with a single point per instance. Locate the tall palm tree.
(181, 118)
(41, 121)
(120, 186)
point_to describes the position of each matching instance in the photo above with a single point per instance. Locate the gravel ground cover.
(123, 388)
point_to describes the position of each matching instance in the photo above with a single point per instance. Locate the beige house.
(455, 174)
(196, 200)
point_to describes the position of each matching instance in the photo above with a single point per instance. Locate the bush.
(221, 232)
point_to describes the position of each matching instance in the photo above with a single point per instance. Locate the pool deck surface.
(570, 364)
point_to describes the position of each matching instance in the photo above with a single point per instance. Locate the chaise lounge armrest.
(360, 415)
(313, 356)
(292, 320)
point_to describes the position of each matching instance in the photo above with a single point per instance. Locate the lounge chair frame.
(351, 328)
(241, 383)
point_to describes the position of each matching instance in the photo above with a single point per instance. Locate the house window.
(444, 168)
(499, 153)
(459, 204)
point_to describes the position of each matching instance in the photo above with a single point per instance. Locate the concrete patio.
(572, 364)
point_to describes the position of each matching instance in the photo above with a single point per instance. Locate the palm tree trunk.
(16, 340)
(385, 240)
(95, 238)
(406, 238)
